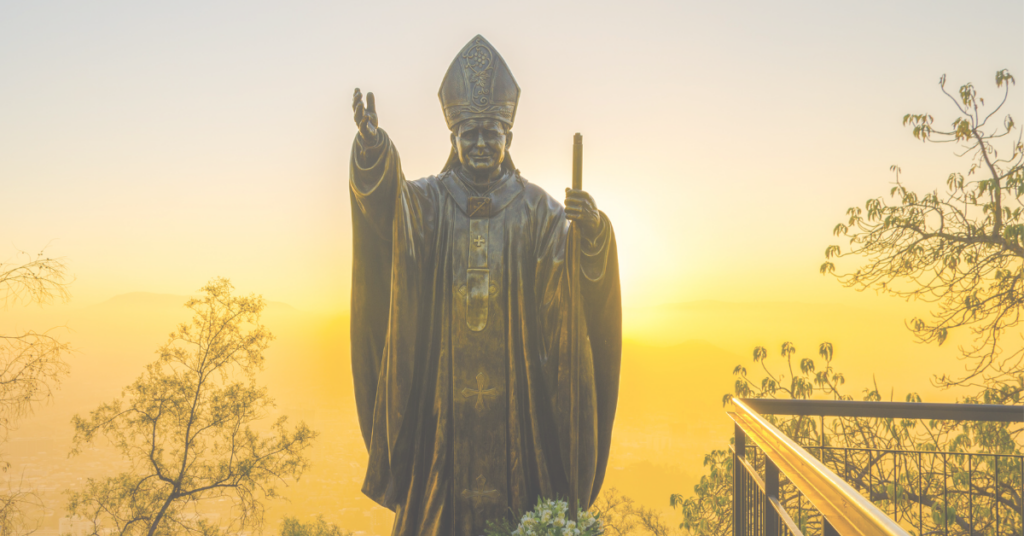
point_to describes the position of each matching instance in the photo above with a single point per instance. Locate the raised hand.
(365, 117)
(581, 208)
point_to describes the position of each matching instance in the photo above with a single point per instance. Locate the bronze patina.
(463, 319)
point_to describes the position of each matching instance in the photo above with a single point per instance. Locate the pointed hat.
(478, 85)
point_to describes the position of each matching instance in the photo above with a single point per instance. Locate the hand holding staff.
(580, 207)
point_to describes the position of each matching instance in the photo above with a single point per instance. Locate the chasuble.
(459, 343)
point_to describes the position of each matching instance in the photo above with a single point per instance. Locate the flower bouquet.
(549, 518)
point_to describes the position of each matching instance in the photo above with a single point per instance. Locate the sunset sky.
(155, 146)
(158, 145)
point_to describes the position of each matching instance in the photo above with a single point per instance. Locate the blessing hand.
(365, 117)
(581, 208)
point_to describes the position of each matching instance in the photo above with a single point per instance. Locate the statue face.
(481, 144)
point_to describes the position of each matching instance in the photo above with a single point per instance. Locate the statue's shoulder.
(429, 185)
(531, 192)
(535, 196)
(429, 180)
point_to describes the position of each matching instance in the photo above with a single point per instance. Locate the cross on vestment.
(479, 392)
(480, 492)
(479, 241)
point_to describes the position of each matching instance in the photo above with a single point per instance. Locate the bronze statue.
(461, 319)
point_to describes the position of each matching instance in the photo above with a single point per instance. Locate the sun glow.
(156, 146)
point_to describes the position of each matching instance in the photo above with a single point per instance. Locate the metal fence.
(783, 488)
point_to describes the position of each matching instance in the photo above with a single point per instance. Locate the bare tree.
(186, 427)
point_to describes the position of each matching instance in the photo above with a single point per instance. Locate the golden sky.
(158, 145)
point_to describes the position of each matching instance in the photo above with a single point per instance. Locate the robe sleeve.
(601, 303)
(378, 190)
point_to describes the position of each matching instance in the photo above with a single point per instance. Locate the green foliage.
(31, 368)
(185, 426)
(961, 249)
(548, 518)
(622, 516)
(710, 510)
(921, 485)
(293, 527)
(31, 363)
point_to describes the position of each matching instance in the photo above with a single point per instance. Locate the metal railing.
(781, 487)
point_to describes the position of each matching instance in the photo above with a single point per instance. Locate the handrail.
(890, 410)
(779, 509)
(846, 510)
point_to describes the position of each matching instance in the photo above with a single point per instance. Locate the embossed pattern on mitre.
(478, 65)
(478, 84)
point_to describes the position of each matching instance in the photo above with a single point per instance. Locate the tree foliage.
(291, 526)
(32, 366)
(15, 503)
(31, 362)
(622, 516)
(962, 248)
(186, 427)
(942, 481)
(709, 511)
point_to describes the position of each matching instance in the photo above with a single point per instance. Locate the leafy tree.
(31, 366)
(293, 527)
(709, 511)
(15, 504)
(186, 427)
(616, 512)
(624, 517)
(962, 249)
(31, 363)
(935, 482)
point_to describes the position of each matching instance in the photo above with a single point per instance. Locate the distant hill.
(677, 363)
(151, 301)
(869, 342)
(669, 414)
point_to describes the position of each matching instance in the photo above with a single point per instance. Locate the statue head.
(479, 97)
(481, 145)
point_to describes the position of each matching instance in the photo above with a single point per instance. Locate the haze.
(156, 146)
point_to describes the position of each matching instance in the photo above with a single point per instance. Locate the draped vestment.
(460, 345)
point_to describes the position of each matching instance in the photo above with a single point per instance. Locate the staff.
(575, 314)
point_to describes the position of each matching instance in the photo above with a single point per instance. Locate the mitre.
(478, 85)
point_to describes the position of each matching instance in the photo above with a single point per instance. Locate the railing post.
(771, 491)
(757, 502)
(827, 529)
(739, 505)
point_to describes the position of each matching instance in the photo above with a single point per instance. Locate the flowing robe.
(460, 345)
